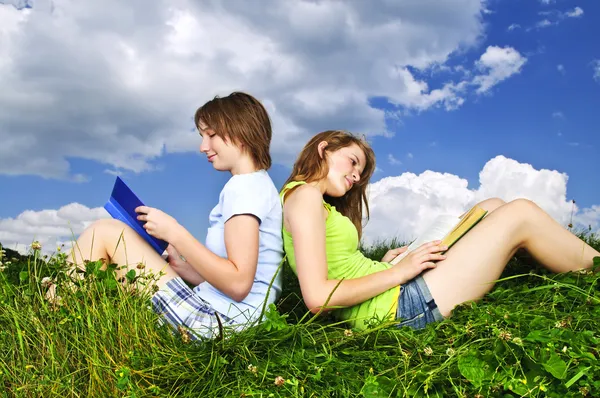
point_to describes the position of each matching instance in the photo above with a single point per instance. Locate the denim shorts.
(416, 306)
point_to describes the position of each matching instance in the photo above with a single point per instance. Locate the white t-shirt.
(255, 194)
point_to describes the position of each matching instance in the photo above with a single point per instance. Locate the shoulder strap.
(289, 188)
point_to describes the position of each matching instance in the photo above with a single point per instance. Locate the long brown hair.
(240, 118)
(310, 167)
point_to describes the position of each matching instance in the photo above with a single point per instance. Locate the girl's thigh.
(474, 262)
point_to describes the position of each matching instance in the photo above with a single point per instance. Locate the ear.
(321, 148)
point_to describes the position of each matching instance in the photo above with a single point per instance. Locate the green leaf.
(578, 376)
(541, 336)
(596, 266)
(130, 275)
(473, 369)
(23, 276)
(273, 320)
(377, 387)
(111, 284)
(556, 367)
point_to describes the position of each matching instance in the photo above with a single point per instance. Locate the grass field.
(535, 334)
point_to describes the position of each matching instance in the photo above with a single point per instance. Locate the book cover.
(122, 204)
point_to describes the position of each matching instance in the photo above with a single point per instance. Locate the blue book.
(122, 204)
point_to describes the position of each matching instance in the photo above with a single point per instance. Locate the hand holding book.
(157, 223)
(421, 259)
(122, 205)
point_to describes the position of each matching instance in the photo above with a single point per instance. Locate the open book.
(122, 204)
(448, 229)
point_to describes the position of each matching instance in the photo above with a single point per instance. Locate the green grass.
(535, 334)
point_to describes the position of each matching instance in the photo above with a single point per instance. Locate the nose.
(205, 145)
(355, 177)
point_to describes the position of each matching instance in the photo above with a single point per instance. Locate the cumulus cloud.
(402, 206)
(513, 26)
(498, 64)
(118, 82)
(50, 227)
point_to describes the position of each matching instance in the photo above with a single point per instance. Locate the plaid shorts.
(179, 306)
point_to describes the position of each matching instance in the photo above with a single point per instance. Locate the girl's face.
(345, 167)
(223, 155)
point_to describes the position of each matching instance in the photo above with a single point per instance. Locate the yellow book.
(448, 229)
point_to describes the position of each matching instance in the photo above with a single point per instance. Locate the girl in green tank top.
(345, 261)
(323, 202)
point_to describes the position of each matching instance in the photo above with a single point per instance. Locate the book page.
(439, 228)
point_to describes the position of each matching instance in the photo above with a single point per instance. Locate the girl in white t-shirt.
(232, 271)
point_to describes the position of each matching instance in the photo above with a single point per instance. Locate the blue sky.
(74, 115)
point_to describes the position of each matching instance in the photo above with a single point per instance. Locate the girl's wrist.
(176, 235)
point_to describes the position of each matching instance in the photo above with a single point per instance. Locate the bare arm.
(305, 219)
(183, 268)
(233, 275)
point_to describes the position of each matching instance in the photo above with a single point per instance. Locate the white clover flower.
(47, 282)
(279, 381)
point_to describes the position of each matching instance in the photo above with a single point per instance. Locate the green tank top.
(344, 260)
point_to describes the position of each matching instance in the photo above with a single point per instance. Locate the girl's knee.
(491, 204)
(523, 206)
(107, 225)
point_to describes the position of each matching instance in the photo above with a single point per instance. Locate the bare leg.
(479, 258)
(118, 243)
(490, 205)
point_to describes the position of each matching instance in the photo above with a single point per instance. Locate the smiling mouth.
(349, 182)
(211, 157)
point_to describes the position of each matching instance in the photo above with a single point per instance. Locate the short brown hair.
(310, 166)
(241, 119)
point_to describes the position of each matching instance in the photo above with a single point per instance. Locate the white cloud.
(498, 63)
(546, 2)
(117, 82)
(596, 66)
(575, 13)
(544, 23)
(410, 155)
(513, 27)
(402, 206)
(558, 115)
(50, 227)
(554, 17)
(561, 68)
(392, 160)
(589, 217)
